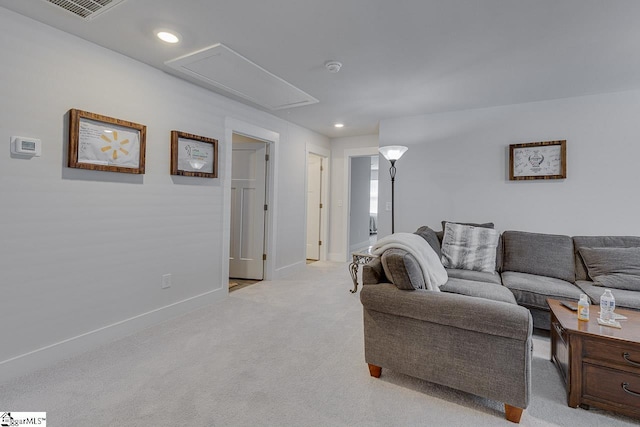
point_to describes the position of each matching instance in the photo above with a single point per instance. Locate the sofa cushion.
(402, 269)
(484, 290)
(624, 298)
(431, 237)
(599, 242)
(469, 248)
(540, 254)
(478, 276)
(532, 290)
(617, 268)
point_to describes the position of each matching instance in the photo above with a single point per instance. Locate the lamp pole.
(392, 172)
(393, 153)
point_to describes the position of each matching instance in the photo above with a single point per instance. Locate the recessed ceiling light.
(339, 125)
(168, 37)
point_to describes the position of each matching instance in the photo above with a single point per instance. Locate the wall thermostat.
(22, 146)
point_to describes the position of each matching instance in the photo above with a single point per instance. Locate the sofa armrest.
(396, 266)
(373, 273)
(460, 311)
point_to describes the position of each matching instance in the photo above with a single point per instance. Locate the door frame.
(346, 191)
(325, 153)
(272, 139)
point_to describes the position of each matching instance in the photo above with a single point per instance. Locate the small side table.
(360, 257)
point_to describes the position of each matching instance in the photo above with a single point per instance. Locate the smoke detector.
(333, 66)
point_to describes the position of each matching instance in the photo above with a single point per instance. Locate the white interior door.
(314, 205)
(247, 210)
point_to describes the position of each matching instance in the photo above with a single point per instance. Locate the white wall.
(360, 195)
(83, 252)
(456, 167)
(341, 149)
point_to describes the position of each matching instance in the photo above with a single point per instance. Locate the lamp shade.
(393, 152)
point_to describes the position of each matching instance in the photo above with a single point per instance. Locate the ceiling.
(400, 58)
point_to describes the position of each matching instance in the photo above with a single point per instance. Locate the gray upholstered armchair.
(470, 343)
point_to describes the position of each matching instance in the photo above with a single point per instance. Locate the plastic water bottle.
(583, 307)
(607, 305)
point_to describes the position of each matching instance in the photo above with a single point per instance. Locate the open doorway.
(373, 200)
(272, 140)
(248, 201)
(363, 202)
(317, 185)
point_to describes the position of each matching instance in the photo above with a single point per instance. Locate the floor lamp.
(392, 153)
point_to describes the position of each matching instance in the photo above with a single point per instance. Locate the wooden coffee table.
(600, 365)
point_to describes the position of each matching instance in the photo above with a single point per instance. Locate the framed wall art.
(538, 160)
(193, 155)
(103, 143)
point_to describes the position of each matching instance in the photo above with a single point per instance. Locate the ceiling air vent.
(224, 69)
(86, 9)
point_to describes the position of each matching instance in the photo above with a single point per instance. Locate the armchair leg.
(374, 370)
(512, 413)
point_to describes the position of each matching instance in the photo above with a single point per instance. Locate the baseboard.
(338, 257)
(46, 356)
(281, 272)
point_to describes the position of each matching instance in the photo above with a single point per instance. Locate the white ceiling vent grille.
(225, 69)
(86, 9)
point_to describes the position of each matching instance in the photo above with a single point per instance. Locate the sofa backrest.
(548, 255)
(599, 242)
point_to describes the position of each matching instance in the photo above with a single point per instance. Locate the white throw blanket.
(434, 273)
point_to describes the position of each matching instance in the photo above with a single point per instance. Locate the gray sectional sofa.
(475, 335)
(531, 266)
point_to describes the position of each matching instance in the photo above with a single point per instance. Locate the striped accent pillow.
(469, 248)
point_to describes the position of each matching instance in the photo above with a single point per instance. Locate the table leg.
(353, 269)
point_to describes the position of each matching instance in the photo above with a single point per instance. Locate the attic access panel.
(225, 69)
(85, 9)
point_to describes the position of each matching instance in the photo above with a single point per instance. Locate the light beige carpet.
(279, 353)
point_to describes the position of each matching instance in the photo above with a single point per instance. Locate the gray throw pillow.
(431, 237)
(469, 248)
(440, 234)
(472, 224)
(617, 268)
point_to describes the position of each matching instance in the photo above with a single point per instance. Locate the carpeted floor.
(278, 353)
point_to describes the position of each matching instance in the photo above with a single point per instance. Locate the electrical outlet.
(388, 207)
(166, 281)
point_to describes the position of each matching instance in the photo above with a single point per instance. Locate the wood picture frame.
(103, 143)
(538, 160)
(193, 155)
